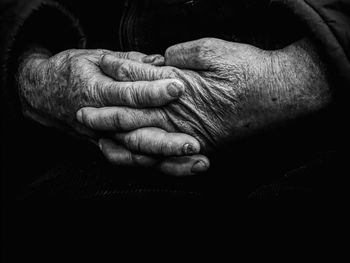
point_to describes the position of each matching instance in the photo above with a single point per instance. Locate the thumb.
(190, 55)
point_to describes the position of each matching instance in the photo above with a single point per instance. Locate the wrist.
(265, 91)
(296, 82)
(309, 82)
(31, 78)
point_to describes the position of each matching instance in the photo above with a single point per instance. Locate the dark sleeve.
(26, 23)
(328, 22)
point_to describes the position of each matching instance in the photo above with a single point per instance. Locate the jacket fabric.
(43, 158)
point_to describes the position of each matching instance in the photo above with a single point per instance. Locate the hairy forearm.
(304, 82)
(39, 82)
(295, 83)
(53, 88)
(45, 93)
(30, 77)
(31, 82)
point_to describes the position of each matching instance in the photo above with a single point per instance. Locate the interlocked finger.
(156, 141)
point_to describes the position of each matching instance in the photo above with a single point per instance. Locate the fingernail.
(151, 58)
(199, 167)
(189, 149)
(174, 90)
(80, 115)
(100, 145)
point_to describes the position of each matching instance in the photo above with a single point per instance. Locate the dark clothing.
(301, 161)
(40, 162)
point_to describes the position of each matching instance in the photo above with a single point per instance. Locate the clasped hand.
(169, 111)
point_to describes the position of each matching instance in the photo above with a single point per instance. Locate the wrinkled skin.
(53, 88)
(231, 90)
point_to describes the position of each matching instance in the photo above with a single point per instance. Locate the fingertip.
(199, 167)
(190, 148)
(83, 113)
(79, 115)
(159, 61)
(184, 165)
(175, 89)
(86, 116)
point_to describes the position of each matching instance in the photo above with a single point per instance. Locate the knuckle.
(138, 96)
(128, 96)
(168, 148)
(121, 122)
(205, 48)
(117, 121)
(154, 94)
(173, 147)
(132, 141)
(123, 72)
(97, 95)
